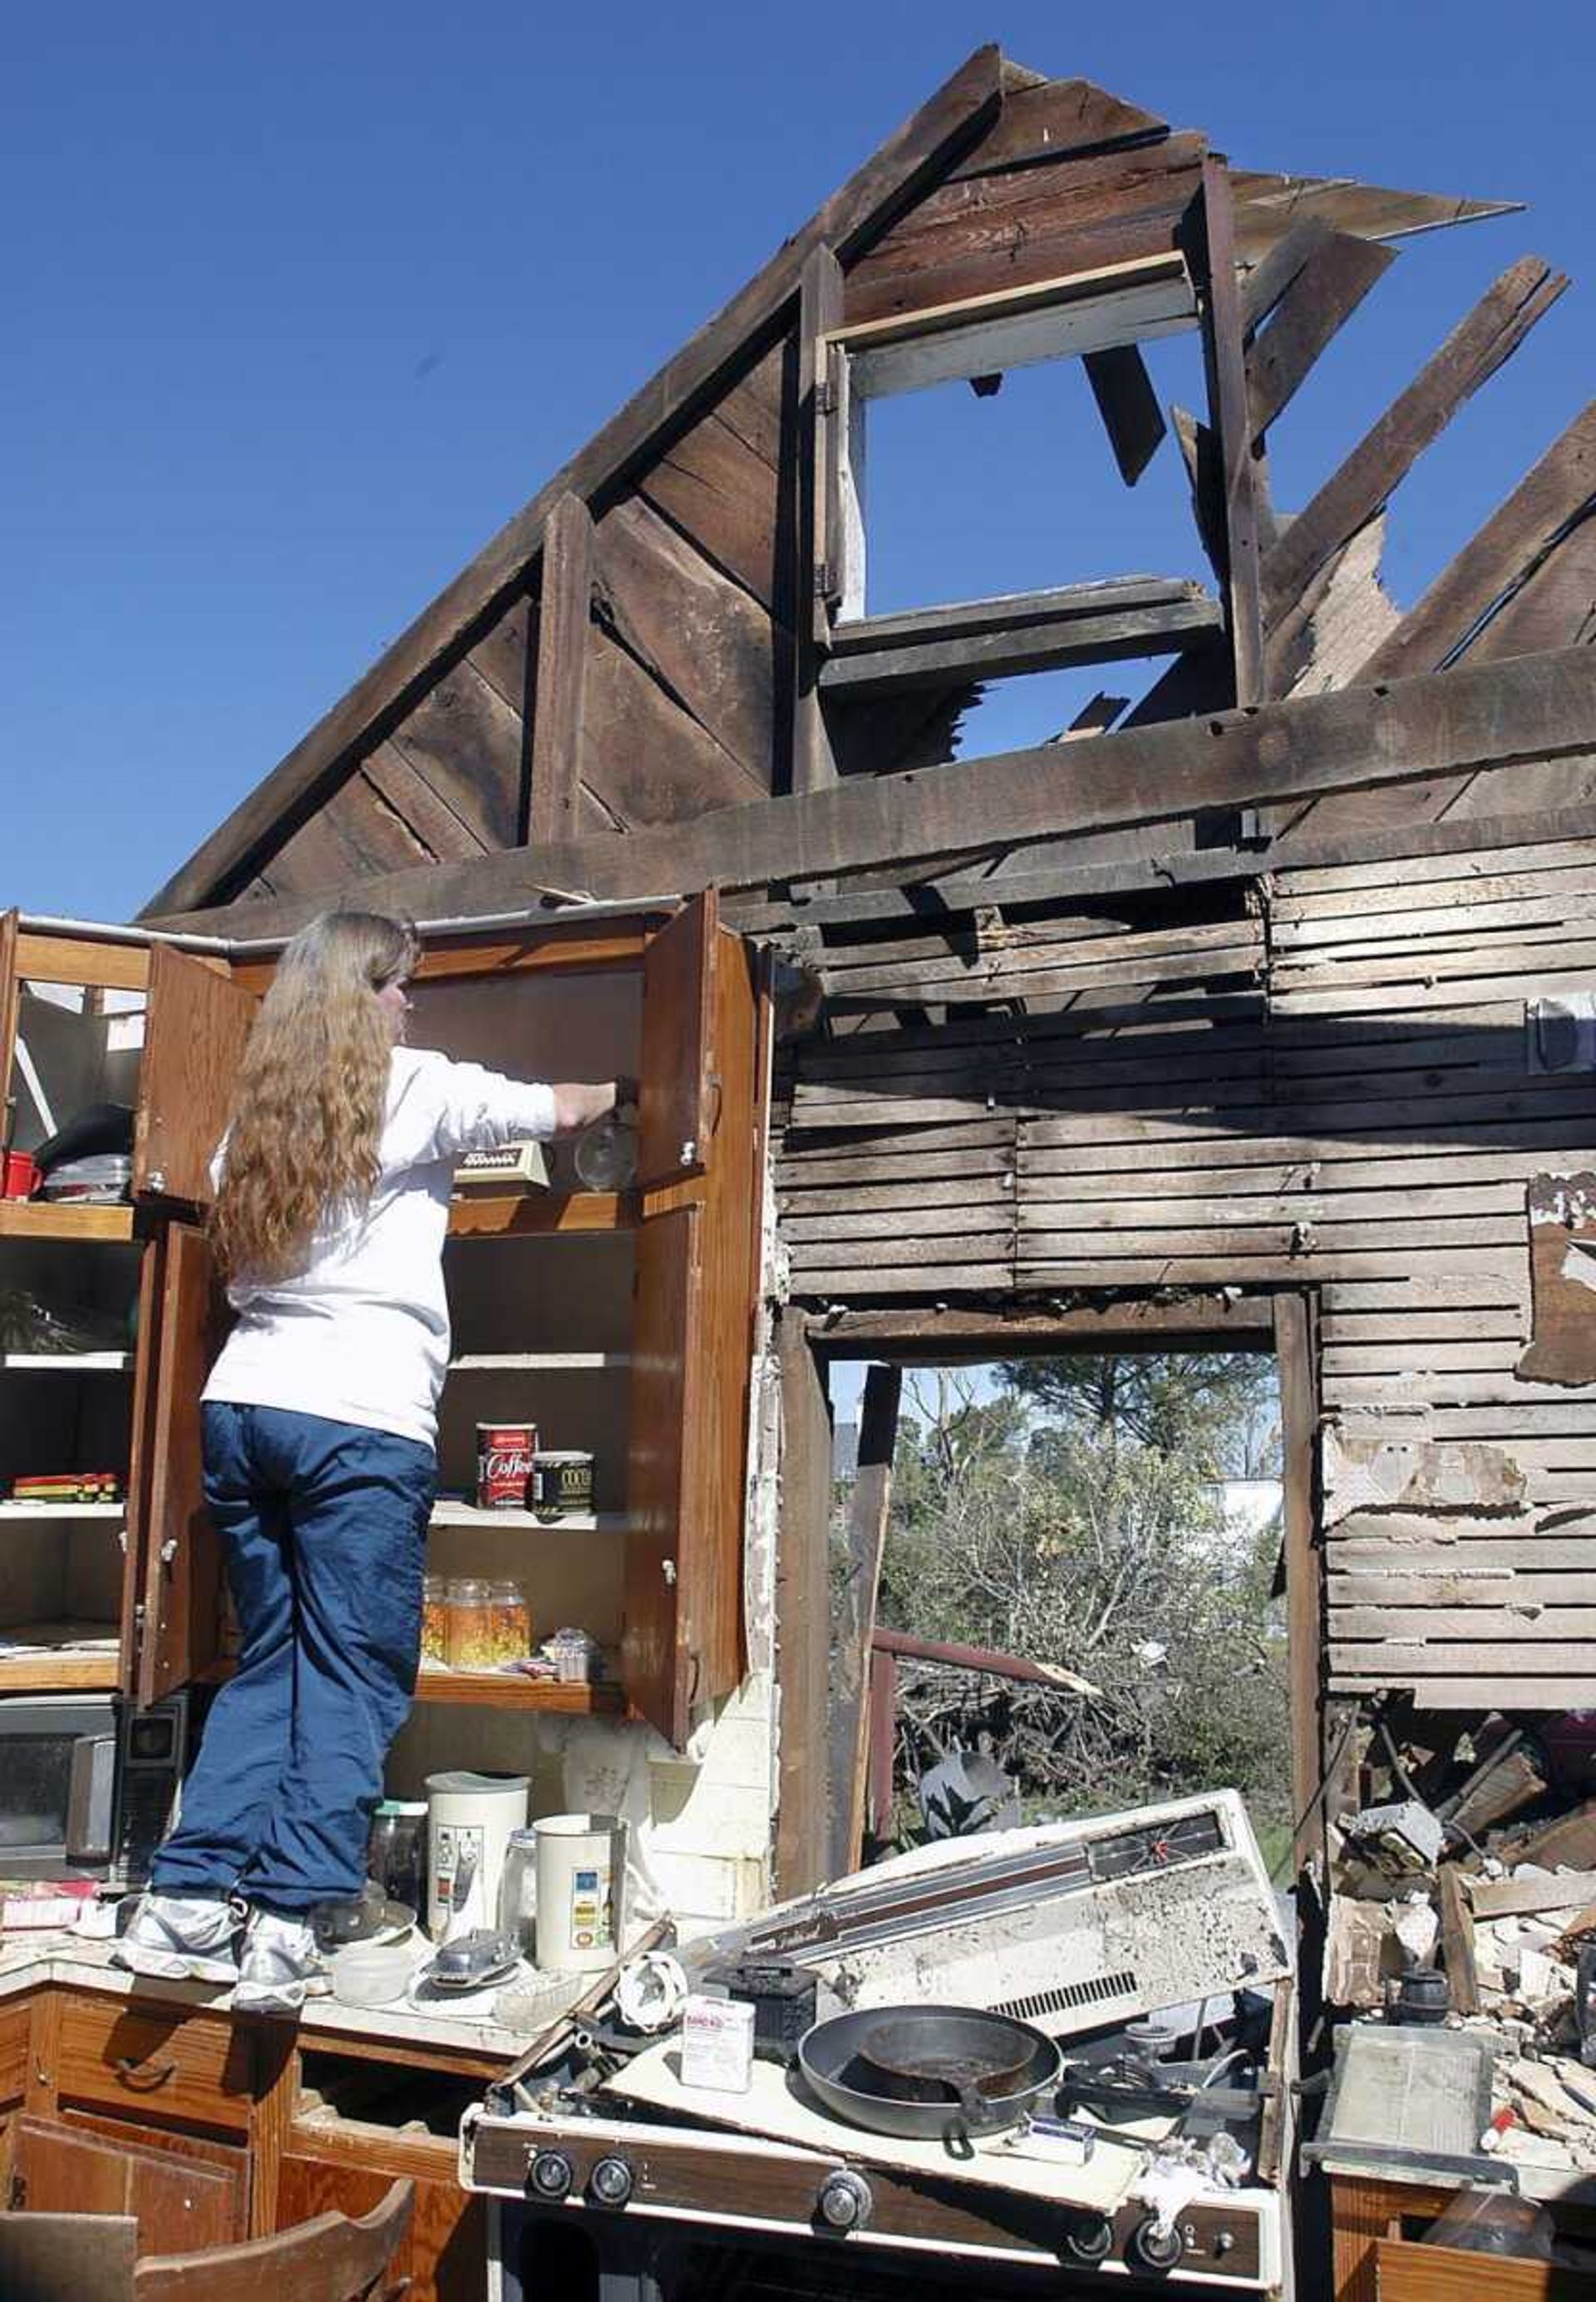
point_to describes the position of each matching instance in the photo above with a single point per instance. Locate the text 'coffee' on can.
(505, 1455)
(562, 1483)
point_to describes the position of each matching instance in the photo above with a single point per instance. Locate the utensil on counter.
(929, 2073)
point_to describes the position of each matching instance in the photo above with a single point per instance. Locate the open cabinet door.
(8, 1016)
(199, 1024)
(178, 1554)
(659, 1659)
(679, 1094)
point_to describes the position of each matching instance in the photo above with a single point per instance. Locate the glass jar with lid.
(396, 1852)
(512, 1621)
(469, 1606)
(518, 1891)
(435, 1620)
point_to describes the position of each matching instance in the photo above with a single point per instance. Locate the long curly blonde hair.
(312, 1094)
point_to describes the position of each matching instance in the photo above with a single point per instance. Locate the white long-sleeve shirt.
(361, 1335)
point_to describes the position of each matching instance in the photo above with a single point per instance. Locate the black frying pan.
(928, 2073)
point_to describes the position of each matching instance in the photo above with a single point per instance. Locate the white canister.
(470, 1819)
(581, 1872)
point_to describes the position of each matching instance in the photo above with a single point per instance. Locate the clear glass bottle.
(606, 1154)
(470, 1611)
(518, 1891)
(396, 1853)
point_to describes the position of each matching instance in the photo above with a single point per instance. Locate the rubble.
(1473, 1847)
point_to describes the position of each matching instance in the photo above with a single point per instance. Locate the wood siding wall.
(1319, 1080)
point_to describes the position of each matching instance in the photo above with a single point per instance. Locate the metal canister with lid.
(562, 1483)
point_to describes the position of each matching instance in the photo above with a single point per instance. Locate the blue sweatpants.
(324, 1526)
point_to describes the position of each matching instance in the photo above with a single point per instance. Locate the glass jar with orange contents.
(470, 1611)
(512, 1621)
(435, 1620)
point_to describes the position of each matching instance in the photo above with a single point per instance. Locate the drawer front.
(174, 2069)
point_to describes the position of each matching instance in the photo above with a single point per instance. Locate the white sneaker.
(280, 1966)
(181, 1937)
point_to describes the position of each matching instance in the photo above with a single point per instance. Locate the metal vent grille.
(1067, 1997)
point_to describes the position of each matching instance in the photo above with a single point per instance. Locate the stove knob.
(1151, 2248)
(1089, 2239)
(550, 2175)
(844, 2203)
(611, 2183)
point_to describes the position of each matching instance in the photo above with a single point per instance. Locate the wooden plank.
(1533, 708)
(1026, 226)
(1398, 1661)
(1553, 606)
(1473, 352)
(1013, 611)
(1305, 1623)
(1058, 120)
(464, 739)
(647, 759)
(445, 836)
(1072, 641)
(706, 642)
(564, 611)
(1229, 421)
(1502, 1898)
(803, 1613)
(1457, 1941)
(721, 482)
(1129, 405)
(940, 131)
(856, 1615)
(815, 582)
(49, 958)
(1465, 1585)
(1529, 1620)
(1331, 284)
(1268, 207)
(1269, 279)
(1554, 492)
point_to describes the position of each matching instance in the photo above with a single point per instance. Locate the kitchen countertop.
(30, 1960)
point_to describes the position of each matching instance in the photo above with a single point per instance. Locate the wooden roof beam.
(1352, 495)
(1558, 491)
(864, 207)
(1537, 706)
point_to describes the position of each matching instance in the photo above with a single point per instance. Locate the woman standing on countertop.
(319, 1424)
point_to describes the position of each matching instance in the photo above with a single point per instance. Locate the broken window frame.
(1116, 307)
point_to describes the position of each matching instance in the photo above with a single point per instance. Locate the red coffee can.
(504, 1459)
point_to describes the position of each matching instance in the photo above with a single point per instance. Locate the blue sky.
(304, 302)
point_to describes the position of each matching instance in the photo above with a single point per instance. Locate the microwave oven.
(88, 1785)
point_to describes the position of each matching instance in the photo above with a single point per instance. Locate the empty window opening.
(1114, 1518)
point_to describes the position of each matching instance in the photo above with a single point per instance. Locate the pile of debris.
(1464, 1891)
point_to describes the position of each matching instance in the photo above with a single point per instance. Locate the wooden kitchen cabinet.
(620, 1321)
(182, 2199)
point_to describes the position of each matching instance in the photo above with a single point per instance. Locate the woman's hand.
(577, 1106)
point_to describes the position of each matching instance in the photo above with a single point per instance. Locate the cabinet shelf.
(20, 1510)
(535, 1214)
(34, 1219)
(66, 1362)
(538, 1362)
(501, 1690)
(449, 1514)
(53, 1663)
